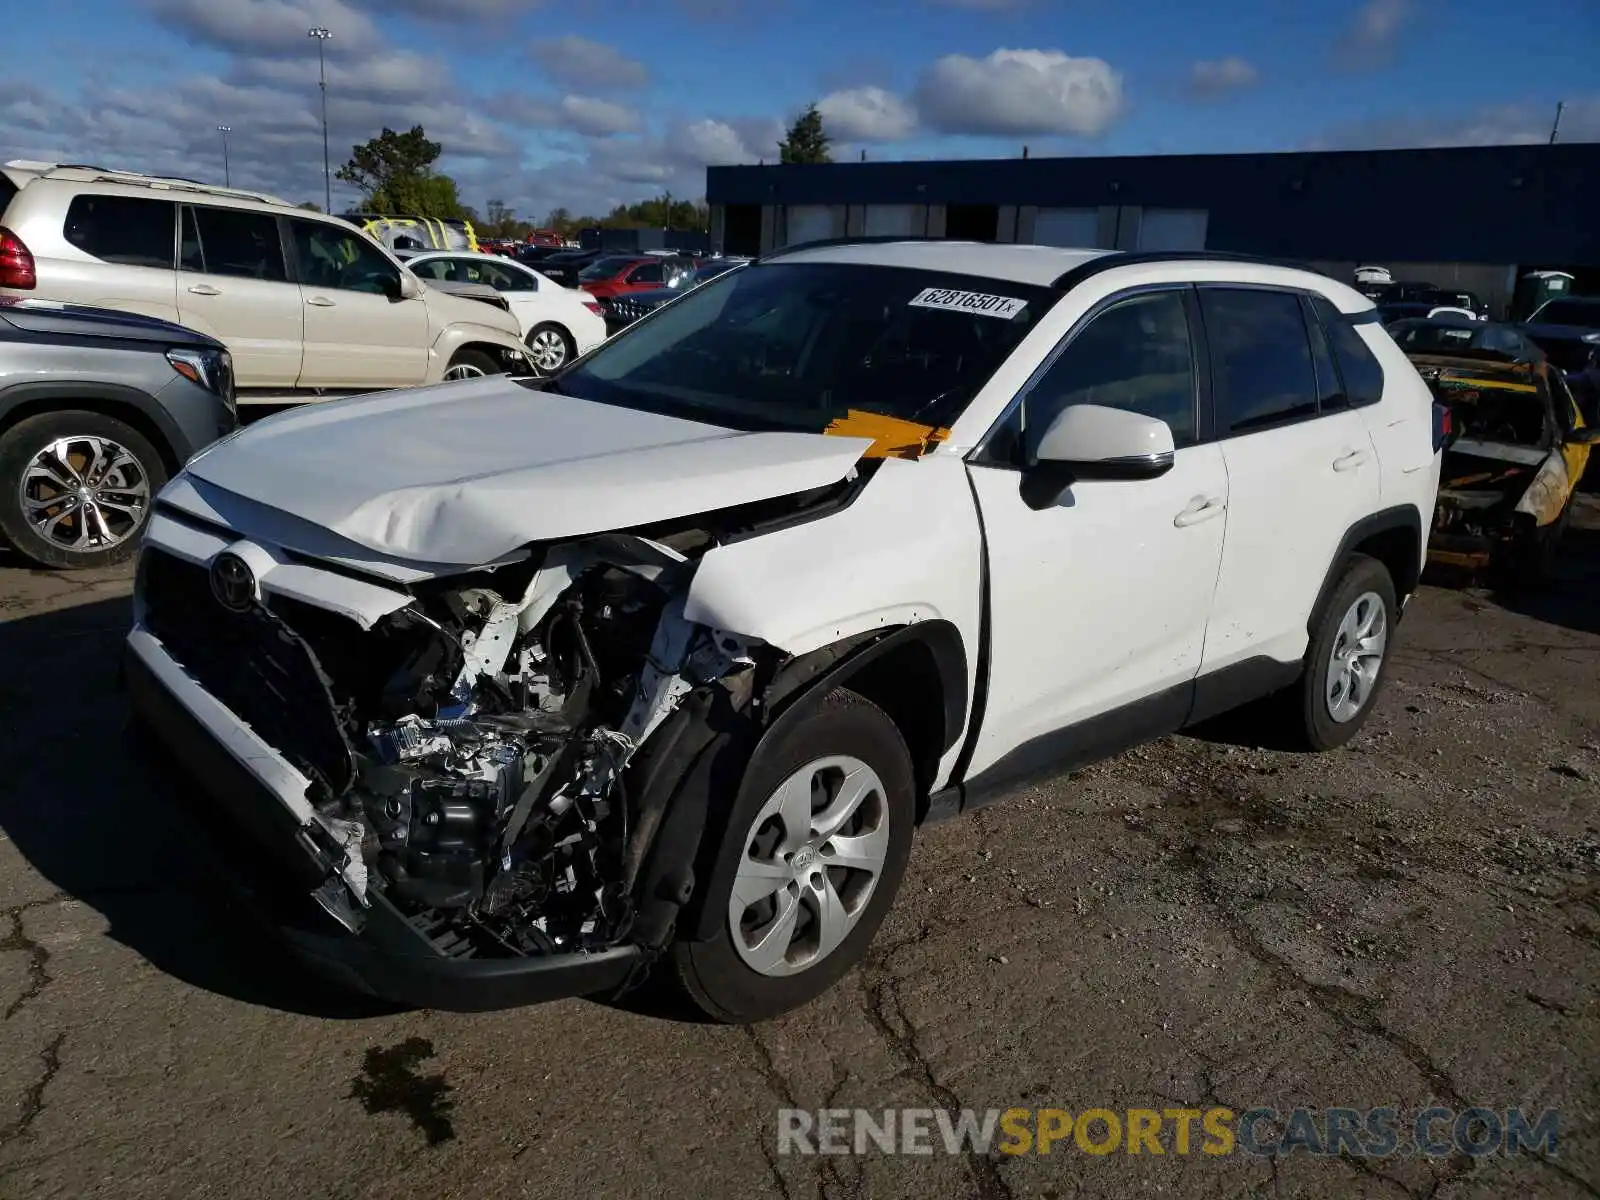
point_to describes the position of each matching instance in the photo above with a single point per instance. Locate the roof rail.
(1111, 259)
(877, 239)
(96, 174)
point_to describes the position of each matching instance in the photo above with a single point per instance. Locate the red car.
(544, 237)
(619, 274)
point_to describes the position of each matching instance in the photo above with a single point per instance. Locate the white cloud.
(1498, 125)
(597, 118)
(707, 142)
(454, 10)
(1213, 77)
(384, 74)
(268, 27)
(867, 114)
(1020, 92)
(578, 62)
(1374, 31)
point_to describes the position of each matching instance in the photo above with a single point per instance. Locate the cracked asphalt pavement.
(1203, 921)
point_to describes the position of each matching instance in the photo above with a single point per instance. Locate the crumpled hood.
(469, 472)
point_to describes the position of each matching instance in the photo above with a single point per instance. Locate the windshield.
(1572, 311)
(711, 271)
(605, 268)
(796, 345)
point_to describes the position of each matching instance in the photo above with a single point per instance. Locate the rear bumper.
(252, 825)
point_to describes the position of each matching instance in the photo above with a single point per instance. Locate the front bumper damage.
(249, 816)
(430, 793)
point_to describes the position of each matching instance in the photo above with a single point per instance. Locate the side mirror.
(409, 287)
(1587, 436)
(1092, 442)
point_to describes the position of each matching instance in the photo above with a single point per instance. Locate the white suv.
(308, 305)
(661, 662)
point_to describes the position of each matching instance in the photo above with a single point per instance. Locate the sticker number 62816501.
(1004, 307)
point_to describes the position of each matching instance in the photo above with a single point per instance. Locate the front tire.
(471, 364)
(812, 855)
(550, 348)
(76, 488)
(1348, 656)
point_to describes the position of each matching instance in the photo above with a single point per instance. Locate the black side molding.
(1402, 517)
(76, 392)
(942, 640)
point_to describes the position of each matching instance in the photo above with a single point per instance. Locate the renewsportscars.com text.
(1265, 1132)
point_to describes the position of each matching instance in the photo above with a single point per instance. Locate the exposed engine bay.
(486, 792)
(468, 754)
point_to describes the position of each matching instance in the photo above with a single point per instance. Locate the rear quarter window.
(1358, 369)
(129, 230)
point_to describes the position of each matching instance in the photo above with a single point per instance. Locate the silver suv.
(98, 409)
(309, 305)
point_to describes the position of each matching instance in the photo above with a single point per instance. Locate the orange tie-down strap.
(892, 437)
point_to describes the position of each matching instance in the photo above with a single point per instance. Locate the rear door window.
(233, 242)
(1261, 366)
(129, 230)
(646, 273)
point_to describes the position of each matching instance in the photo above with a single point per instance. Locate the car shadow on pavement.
(1571, 598)
(95, 816)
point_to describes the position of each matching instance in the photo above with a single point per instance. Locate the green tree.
(807, 141)
(500, 221)
(395, 174)
(309, 206)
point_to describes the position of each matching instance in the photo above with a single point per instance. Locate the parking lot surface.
(1200, 923)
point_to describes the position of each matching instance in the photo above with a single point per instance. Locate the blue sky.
(587, 103)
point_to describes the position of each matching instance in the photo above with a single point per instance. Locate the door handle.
(319, 301)
(1201, 508)
(1350, 461)
(205, 289)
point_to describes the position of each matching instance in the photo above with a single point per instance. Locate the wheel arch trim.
(108, 399)
(1401, 518)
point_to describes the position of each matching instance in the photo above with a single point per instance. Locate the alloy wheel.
(811, 859)
(1357, 656)
(84, 493)
(548, 350)
(464, 370)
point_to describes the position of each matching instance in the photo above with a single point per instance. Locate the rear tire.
(106, 473)
(1348, 657)
(550, 349)
(844, 746)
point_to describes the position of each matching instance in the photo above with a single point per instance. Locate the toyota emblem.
(233, 583)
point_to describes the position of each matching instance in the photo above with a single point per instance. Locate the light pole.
(322, 35)
(227, 175)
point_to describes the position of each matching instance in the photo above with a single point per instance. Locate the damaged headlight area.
(468, 753)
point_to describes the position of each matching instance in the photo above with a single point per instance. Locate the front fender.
(465, 333)
(907, 549)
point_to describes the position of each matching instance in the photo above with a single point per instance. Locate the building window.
(1079, 227)
(1173, 229)
(807, 223)
(891, 220)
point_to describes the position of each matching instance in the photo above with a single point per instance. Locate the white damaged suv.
(659, 663)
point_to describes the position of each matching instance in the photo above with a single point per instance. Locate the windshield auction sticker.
(1004, 307)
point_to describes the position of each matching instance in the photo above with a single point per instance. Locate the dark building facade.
(1468, 217)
